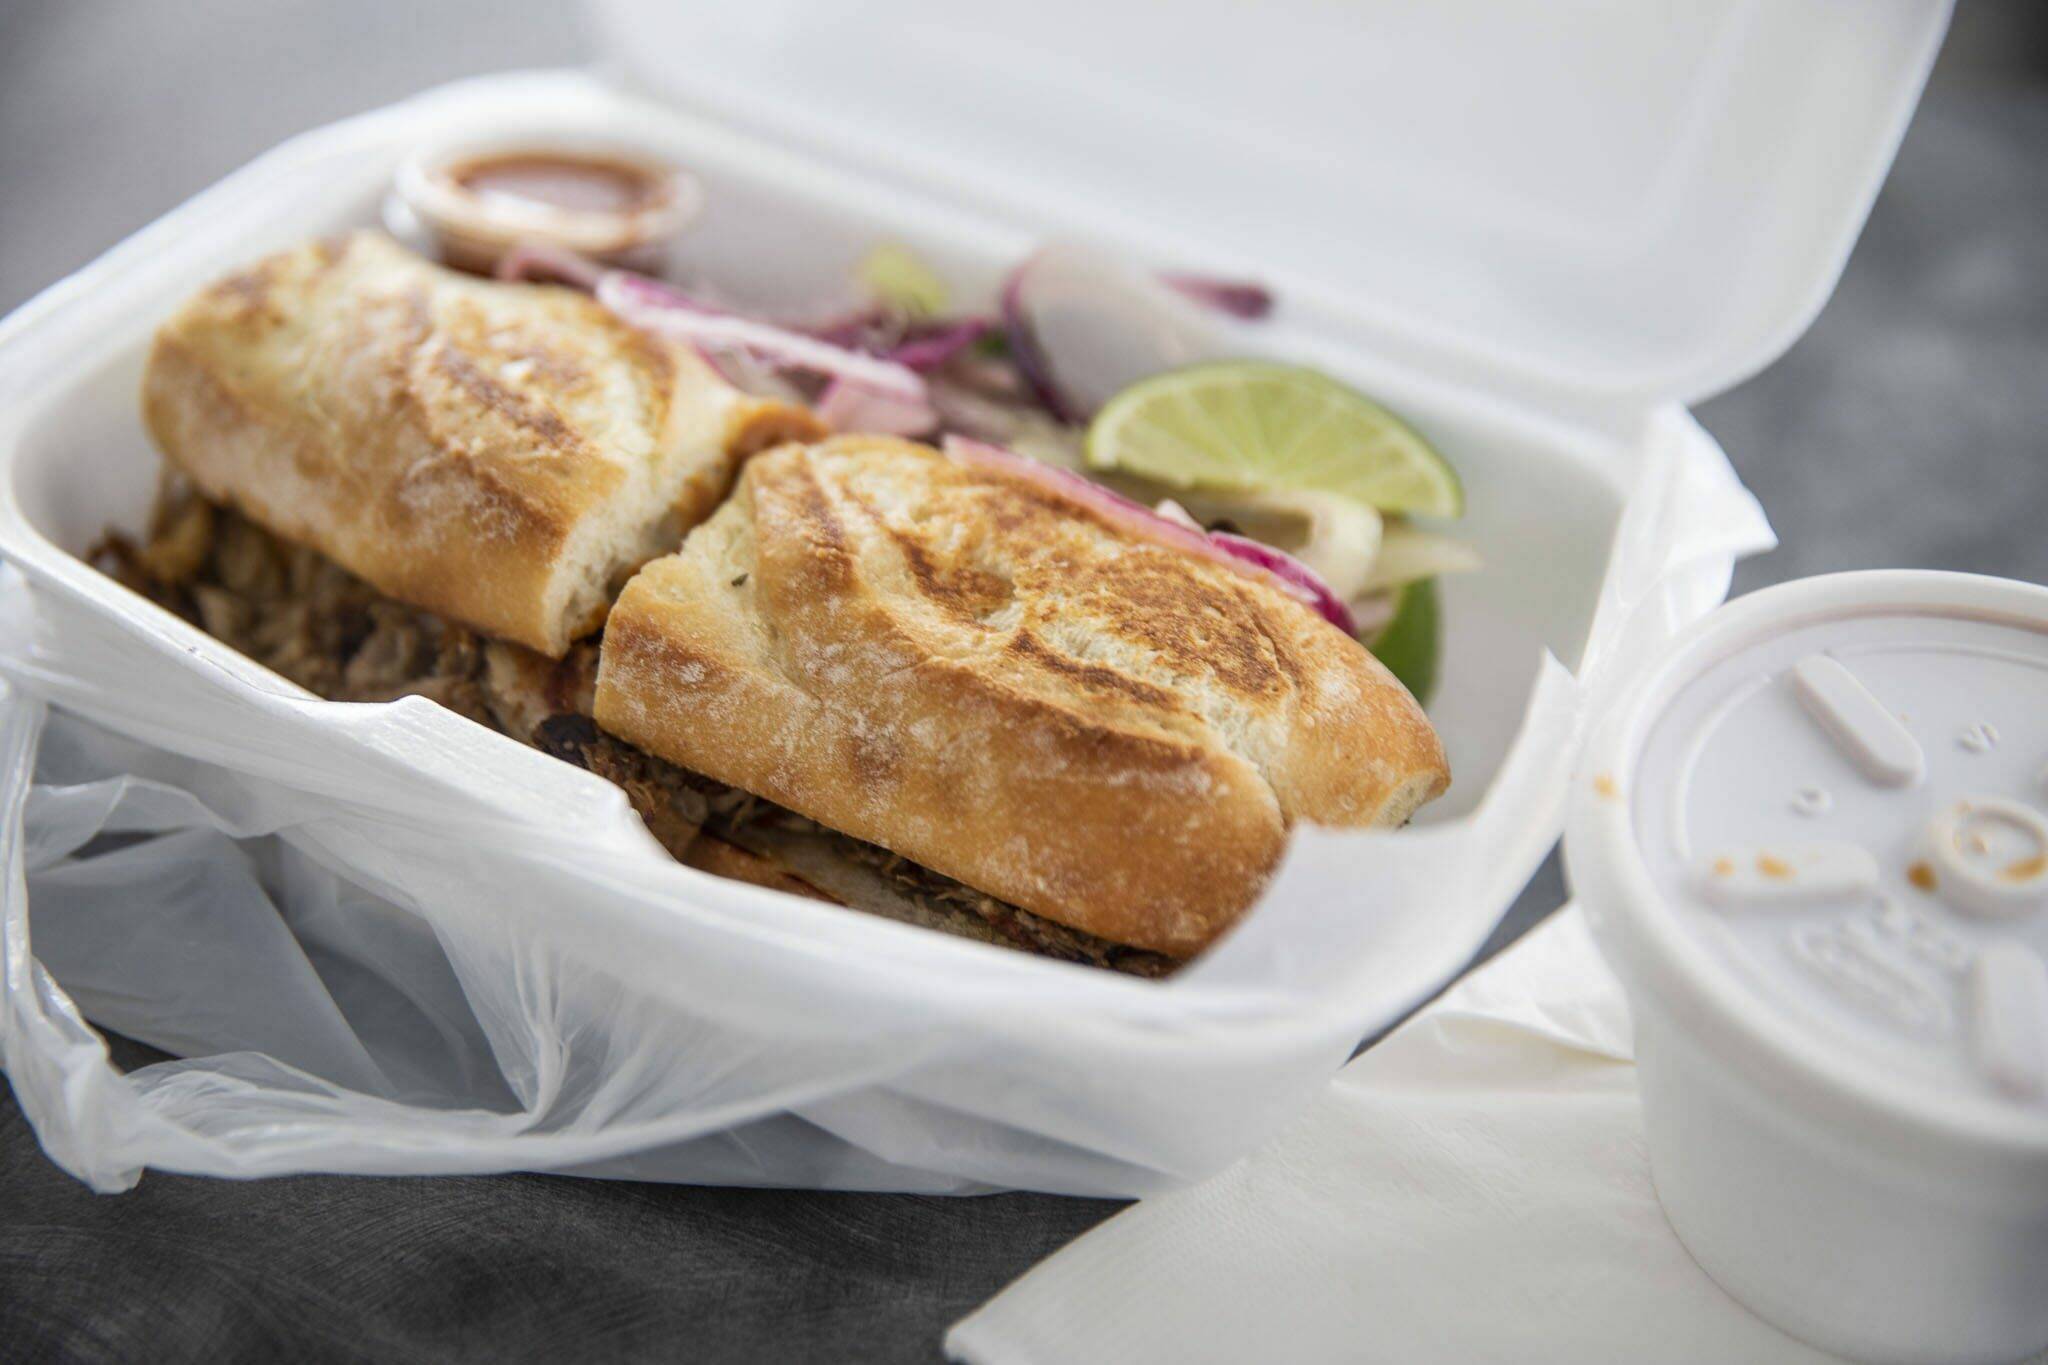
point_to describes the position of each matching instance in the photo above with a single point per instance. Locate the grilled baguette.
(1001, 686)
(503, 455)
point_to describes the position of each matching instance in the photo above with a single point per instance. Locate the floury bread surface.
(999, 685)
(500, 454)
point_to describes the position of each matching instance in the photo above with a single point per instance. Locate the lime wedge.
(1408, 644)
(1249, 426)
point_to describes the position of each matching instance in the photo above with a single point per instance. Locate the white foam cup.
(1812, 838)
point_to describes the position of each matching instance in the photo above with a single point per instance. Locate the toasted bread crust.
(996, 684)
(498, 454)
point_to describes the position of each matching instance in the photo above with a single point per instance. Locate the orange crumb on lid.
(2026, 869)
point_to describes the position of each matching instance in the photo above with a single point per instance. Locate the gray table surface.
(1905, 429)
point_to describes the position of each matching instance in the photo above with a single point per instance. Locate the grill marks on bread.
(1013, 571)
(547, 429)
(502, 455)
(1028, 646)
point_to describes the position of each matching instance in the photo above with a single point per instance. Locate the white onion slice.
(1083, 326)
(1179, 516)
(1337, 537)
(1408, 553)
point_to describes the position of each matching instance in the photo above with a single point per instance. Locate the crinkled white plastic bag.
(330, 1027)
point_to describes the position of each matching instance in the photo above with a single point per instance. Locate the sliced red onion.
(537, 261)
(1065, 483)
(1285, 567)
(934, 349)
(1239, 298)
(622, 291)
(1024, 349)
(657, 307)
(721, 365)
(848, 329)
(848, 406)
(1248, 557)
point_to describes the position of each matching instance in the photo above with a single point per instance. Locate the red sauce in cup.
(470, 206)
(580, 184)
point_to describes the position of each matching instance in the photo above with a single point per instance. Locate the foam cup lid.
(1833, 798)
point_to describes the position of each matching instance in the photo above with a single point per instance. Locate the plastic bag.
(335, 1022)
(331, 1029)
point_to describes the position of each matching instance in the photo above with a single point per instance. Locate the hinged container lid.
(1618, 202)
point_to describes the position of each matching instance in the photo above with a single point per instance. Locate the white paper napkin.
(1474, 1188)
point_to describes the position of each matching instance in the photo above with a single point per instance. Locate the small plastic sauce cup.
(469, 204)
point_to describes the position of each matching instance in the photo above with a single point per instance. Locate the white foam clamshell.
(628, 1015)
(1607, 201)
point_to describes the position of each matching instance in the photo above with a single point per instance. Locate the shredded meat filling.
(299, 614)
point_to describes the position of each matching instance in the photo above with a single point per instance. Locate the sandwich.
(994, 683)
(852, 669)
(499, 455)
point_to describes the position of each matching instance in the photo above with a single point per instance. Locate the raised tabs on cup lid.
(1990, 856)
(1806, 874)
(1874, 739)
(1844, 805)
(2009, 1017)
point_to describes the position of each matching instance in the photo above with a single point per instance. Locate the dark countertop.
(1906, 429)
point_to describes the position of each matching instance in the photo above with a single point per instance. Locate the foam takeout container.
(1537, 235)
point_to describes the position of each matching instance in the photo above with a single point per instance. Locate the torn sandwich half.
(500, 454)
